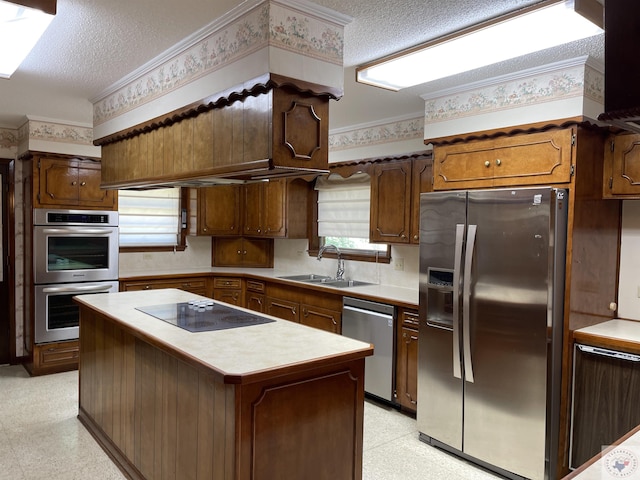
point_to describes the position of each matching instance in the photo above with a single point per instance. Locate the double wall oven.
(74, 252)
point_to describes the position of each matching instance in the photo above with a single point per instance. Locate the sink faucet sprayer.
(340, 272)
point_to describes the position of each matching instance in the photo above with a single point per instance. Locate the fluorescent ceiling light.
(21, 26)
(544, 25)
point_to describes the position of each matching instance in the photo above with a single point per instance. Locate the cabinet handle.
(204, 229)
(306, 312)
(487, 164)
(239, 252)
(147, 287)
(244, 252)
(82, 184)
(403, 236)
(498, 162)
(74, 183)
(415, 237)
(288, 307)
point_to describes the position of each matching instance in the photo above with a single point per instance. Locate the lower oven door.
(57, 316)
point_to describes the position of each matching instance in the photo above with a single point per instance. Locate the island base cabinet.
(161, 416)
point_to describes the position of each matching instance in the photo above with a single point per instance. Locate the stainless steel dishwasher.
(372, 322)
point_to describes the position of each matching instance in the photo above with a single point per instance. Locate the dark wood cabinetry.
(622, 167)
(242, 252)
(254, 296)
(218, 210)
(526, 159)
(61, 182)
(407, 359)
(606, 402)
(395, 199)
(229, 290)
(189, 283)
(54, 357)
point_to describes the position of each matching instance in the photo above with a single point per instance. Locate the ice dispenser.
(440, 297)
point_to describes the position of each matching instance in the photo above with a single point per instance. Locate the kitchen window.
(343, 218)
(151, 219)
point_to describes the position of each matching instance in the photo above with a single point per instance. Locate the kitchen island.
(267, 400)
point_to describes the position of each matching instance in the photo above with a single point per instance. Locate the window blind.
(343, 206)
(149, 218)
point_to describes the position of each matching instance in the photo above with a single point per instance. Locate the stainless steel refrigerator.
(490, 342)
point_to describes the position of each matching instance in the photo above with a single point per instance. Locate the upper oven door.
(75, 254)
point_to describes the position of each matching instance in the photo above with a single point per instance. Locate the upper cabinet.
(622, 167)
(69, 182)
(270, 129)
(524, 159)
(395, 199)
(269, 209)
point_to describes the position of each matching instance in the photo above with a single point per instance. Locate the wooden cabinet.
(193, 284)
(61, 182)
(228, 289)
(606, 399)
(242, 252)
(322, 318)
(54, 357)
(622, 167)
(525, 159)
(254, 295)
(407, 359)
(218, 210)
(395, 199)
(305, 305)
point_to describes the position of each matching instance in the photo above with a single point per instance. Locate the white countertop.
(233, 352)
(390, 293)
(617, 329)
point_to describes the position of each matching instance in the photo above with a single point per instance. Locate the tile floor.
(41, 438)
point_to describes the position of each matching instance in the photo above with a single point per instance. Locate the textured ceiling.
(92, 44)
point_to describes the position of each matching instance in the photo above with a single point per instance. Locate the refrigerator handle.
(457, 264)
(466, 304)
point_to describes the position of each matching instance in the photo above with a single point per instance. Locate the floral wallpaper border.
(374, 135)
(56, 132)
(8, 138)
(580, 80)
(268, 24)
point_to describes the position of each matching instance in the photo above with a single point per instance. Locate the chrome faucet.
(340, 272)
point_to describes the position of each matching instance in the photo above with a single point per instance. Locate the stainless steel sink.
(308, 277)
(325, 280)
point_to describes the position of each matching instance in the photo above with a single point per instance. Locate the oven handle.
(81, 289)
(80, 231)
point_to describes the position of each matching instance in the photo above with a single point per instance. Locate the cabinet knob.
(487, 163)
(244, 253)
(74, 183)
(403, 236)
(415, 237)
(498, 162)
(82, 184)
(239, 252)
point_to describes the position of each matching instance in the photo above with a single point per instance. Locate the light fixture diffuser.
(21, 26)
(544, 25)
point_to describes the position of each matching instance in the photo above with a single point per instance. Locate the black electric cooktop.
(203, 315)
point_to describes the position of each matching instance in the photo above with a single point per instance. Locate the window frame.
(181, 245)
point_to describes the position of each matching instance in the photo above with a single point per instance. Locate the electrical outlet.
(398, 264)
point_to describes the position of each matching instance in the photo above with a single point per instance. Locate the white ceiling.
(92, 44)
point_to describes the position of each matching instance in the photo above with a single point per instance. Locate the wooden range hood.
(271, 126)
(622, 70)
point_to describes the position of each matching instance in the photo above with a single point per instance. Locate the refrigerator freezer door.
(510, 303)
(442, 215)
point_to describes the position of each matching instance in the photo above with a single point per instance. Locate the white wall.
(629, 284)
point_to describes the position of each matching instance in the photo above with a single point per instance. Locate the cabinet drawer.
(58, 353)
(255, 286)
(284, 309)
(410, 318)
(322, 318)
(227, 282)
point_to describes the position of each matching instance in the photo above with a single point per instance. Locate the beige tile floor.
(41, 438)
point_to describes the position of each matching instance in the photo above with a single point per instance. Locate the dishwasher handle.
(631, 357)
(366, 312)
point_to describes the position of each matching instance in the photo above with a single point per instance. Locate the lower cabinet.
(254, 296)
(228, 290)
(407, 359)
(305, 306)
(193, 284)
(54, 357)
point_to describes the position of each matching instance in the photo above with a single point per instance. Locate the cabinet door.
(390, 202)
(234, 297)
(284, 309)
(421, 181)
(58, 182)
(89, 192)
(463, 165)
(245, 252)
(219, 210)
(322, 318)
(274, 222)
(622, 166)
(407, 359)
(253, 205)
